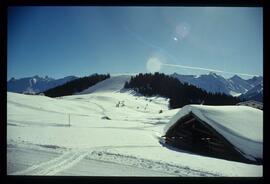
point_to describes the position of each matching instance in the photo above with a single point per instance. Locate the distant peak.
(257, 77)
(70, 77)
(36, 76)
(47, 78)
(12, 79)
(236, 77)
(212, 73)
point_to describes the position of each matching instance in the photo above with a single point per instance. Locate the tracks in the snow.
(54, 166)
(70, 158)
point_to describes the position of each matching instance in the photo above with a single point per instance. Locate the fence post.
(69, 120)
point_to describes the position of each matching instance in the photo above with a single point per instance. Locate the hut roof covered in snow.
(242, 126)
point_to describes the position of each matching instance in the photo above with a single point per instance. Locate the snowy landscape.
(151, 91)
(89, 134)
(251, 89)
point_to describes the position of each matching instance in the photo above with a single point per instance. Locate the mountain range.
(35, 84)
(255, 93)
(249, 89)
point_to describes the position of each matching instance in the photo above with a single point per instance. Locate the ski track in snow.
(148, 164)
(100, 107)
(52, 167)
(102, 153)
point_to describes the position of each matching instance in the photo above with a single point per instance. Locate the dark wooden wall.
(193, 135)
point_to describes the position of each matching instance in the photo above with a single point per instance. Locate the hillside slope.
(129, 136)
(113, 84)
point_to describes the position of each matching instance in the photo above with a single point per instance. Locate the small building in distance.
(227, 132)
(252, 103)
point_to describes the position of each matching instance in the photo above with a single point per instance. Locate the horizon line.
(136, 73)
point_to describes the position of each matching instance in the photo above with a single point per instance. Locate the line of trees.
(180, 94)
(76, 85)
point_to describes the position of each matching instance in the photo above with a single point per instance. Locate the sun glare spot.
(153, 64)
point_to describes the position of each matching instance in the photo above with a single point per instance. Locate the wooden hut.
(216, 131)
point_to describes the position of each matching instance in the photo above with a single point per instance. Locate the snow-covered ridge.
(242, 126)
(255, 93)
(214, 83)
(234, 86)
(113, 84)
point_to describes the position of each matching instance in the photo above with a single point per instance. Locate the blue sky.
(61, 41)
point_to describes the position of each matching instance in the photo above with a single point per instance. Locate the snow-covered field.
(112, 132)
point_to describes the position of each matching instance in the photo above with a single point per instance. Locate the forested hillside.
(76, 85)
(180, 94)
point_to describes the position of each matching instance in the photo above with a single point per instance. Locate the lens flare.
(153, 64)
(182, 30)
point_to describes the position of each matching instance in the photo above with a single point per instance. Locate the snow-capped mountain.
(239, 85)
(255, 93)
(214, 83)
(35, 84)
(211, 82)
(255, 80)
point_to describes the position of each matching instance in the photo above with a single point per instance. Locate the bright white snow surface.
(113, 84)
(242, 126)
(128, 137)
